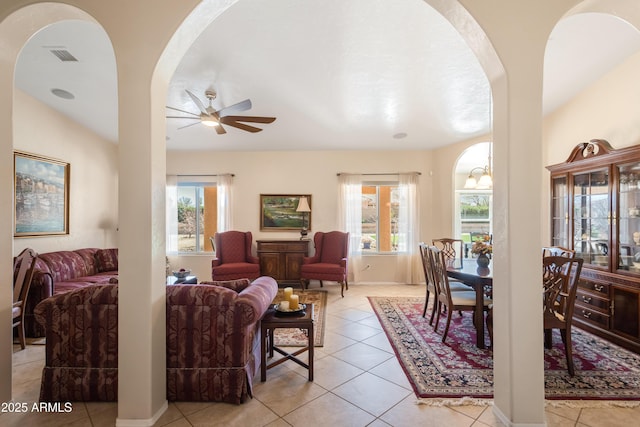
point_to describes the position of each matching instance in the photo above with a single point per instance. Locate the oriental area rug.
(458, 369)
(293, 337)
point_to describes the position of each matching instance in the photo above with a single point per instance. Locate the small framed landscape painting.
(41, 191)
(278, 212)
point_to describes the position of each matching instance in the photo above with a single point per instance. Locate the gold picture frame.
(278, 212)
(41, 195)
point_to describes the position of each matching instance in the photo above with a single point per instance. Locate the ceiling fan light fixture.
(209, 121)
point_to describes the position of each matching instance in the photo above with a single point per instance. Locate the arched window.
(474, 193)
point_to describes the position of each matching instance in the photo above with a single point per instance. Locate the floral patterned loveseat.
(62, 271)
(213, 341)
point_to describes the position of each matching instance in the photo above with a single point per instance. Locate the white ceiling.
(337, 75)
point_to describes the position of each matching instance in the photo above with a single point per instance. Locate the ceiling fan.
(210, 117)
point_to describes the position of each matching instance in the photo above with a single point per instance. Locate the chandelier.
(484, 180)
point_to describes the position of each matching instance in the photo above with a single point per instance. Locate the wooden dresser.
(282, 258)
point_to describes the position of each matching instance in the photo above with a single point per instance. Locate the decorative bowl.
(181, 274)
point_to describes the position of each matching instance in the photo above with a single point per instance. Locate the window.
(475, 211)
(380, 215)
(197, 216)
(197, 207)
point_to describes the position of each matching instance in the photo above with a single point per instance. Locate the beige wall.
(93, 191)
(298, 172)
(608, 109)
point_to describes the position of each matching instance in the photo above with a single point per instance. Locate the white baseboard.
(124, 422)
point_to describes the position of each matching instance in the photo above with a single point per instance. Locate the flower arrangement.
(481, 248)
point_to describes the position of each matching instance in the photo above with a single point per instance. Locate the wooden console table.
(282, 258)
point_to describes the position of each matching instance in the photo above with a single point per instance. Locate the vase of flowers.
(483, 250)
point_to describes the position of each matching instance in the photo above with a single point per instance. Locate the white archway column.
(139, 39)
(517, 33)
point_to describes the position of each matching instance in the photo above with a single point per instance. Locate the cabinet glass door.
(628, 232)
(591, 217)
(559, 212)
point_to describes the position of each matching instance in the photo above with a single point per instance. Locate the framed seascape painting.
(41, 191)
(278, 212)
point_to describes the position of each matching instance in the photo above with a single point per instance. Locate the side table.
(269, 323)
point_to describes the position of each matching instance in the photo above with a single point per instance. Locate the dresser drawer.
(302, 246)
(593, 300)
(595, 287)
(588, 314)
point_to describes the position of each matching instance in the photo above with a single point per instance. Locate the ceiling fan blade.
(199, 103)
(183, 111)
(219, 129)
(238, 125)
(189, 125)
(235, 108)
(182, 117)
(251, 119)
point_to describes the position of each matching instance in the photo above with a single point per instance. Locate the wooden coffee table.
(272, 321)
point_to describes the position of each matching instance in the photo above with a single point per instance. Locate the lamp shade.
(485, 181)
(470, 183)
(303, 205)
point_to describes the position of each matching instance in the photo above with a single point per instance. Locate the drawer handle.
(598, 288)
(586, 315)
(586, 299)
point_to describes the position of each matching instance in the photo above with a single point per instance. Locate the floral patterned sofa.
(62, 271)
(213, 341)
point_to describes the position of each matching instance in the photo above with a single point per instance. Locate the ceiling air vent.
(64, 55)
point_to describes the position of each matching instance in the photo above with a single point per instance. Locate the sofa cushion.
(66, 265)
(237, 285)
(107, 259)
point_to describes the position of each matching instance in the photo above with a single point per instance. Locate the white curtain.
(408, 267)
(225, 219)
(350, 219)
(172, 214)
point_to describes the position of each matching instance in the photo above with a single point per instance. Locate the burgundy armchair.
(233, 257)
(329, 261)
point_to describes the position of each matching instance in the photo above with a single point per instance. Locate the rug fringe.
(592, 404)
(471, 401)
(462, 401)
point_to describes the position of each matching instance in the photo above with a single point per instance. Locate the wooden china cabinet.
(595, 210)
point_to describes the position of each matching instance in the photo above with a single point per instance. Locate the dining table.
(480, 279)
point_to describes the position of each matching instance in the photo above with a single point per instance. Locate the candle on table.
(293, 302)
(287, 293)
(283, 306)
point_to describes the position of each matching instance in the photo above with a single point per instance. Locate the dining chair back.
(428, 275)
(451, 248)
(558, 251)
(560, 276)
(22, 274)
(446, 299)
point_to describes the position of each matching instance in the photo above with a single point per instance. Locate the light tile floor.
(358, 382)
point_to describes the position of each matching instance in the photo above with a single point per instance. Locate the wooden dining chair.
(451, 301)
(560, 276)
(451, 248)
(430, 281)
(558, 251)
(22, 274)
